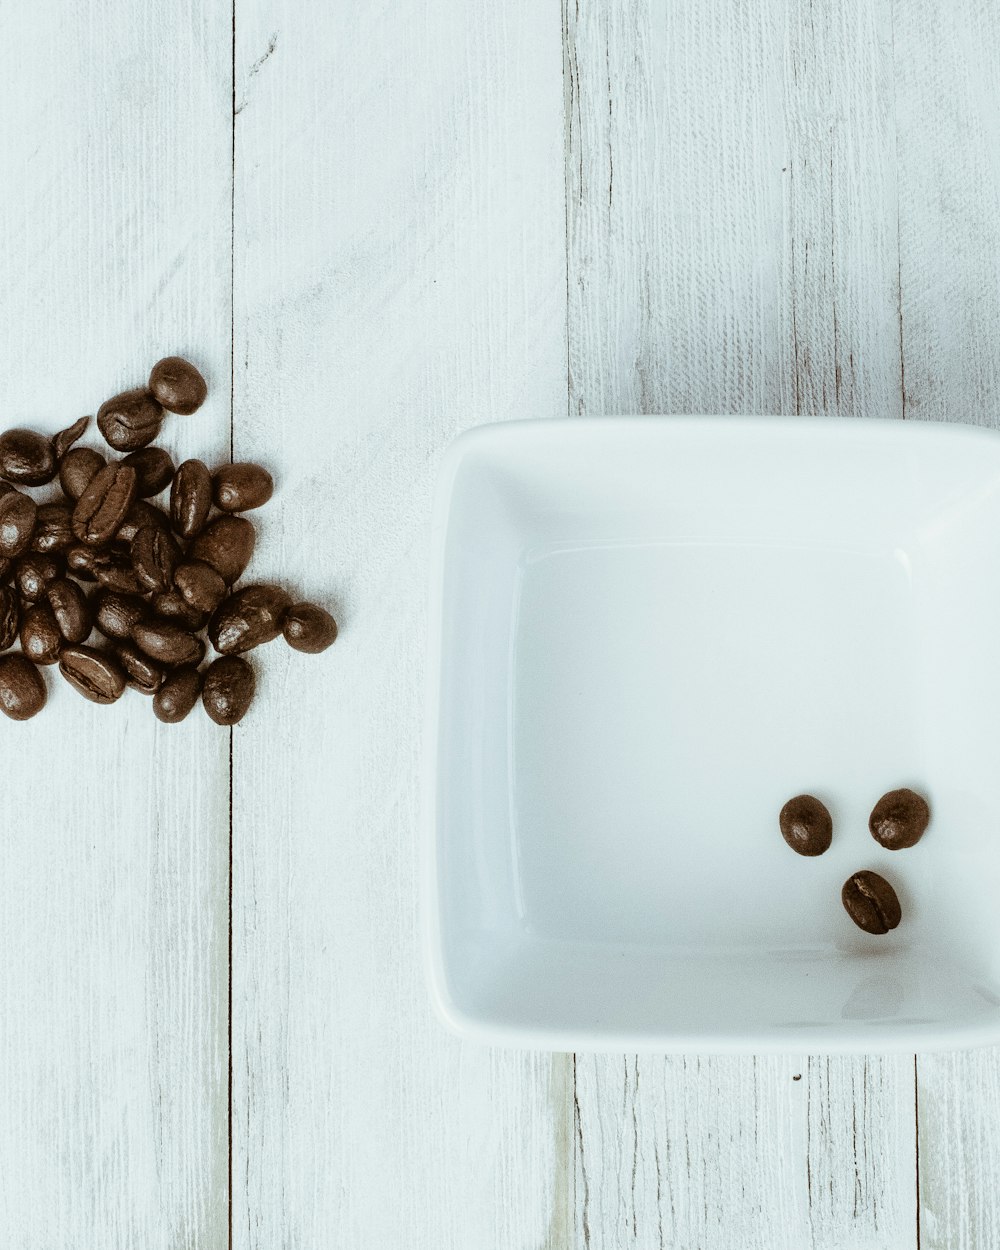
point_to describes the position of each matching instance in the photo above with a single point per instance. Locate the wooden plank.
(113, 897)
(399, 275)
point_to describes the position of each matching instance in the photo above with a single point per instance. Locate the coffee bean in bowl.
(806, 825)
(871, 902)
(899, 819)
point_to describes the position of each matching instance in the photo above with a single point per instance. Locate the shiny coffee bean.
(130, 420)
(53, 527)
(899, 819)
(154, 470)
(34, 571)
(113, 570)
(201, 587)
(155, 555)
(240, 487)
(22, 687)
(178, 385)
(226, 544)
(77, 468)
(310, 628)
(805, 825)
(167, 643)
(97, 675)
(144, 674)
(178, 694)
(101, 508)
(71, 610)
(10, 617)
(141, 515)
(17, 522)
(117, 614)
(228, 689)
(173, 607)
(80, 561)
(41, 638)
(871, 902)
(27, 458)
(64, 440)
(190, 498)
(248, 618)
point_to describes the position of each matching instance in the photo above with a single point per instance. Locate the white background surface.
(373, 225)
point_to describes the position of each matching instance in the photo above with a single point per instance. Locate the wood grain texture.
(113, 893)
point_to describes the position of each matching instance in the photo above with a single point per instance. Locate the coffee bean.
(178, 694)
(248, 618)
(167, 643)
(116, 614)
(64, 440)
(53, 527)
(144, 674)
(173, 607)
(33, 572)
(22, 687)
(898, 819)
(113, 570)
(97, 675)
(154, 470)
(310, 628)
(10, 617)
(805, 825)
(155, 555)
(130, 420)
(101, 508)
(190, 497)
(71, 610)
(228, 689)
(226, 544)
(80, 561)
(26, 458)
(200, 585)
(40, 635)
(871, 902)
(240, 487)
(17, 522)
(77, 468)
(139, 516)
(178, 385)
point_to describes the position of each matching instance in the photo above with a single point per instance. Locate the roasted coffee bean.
(248, 618)
(10, 617)
(178, 694)
(139, 516)
(240, 487)
(22, 687)
(64, 440)
(77, 468)
(200, 585)
(144, 674)
(310, 628)
(71, 610)
(228, 689)
(154, 470)
(96, 674)
(130, 420)
(101, 508)
(178, 385)
(27, 458)
(190, 498)
(34, 571)
(871, 902)
(898, 819)
(155, 555)
(226, 544)
(40, 635)
(168, 643)
(53, 527)
(116, 614)
(17, 522)
(113, 570)
(80, 561)
(805, 825)
(173, 607)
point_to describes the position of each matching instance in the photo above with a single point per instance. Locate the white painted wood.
(399, 276)
(114, 215)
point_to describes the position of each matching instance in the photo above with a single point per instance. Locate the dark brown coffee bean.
(96, 674)
(178, 694)
(248, 618)
(64, 440)
(17, 522)
(167, 643)
(178, 385)
(173, 607)
(871, 902)
(10, 617)
(101, 508)
(130, 420)
(154, 470)
(34, 571)
(144, 674)
(77, 469)
(805, 825)
(27, 458)
(200, 585)
(228, 689)
(116, 614)
(71, 610)
(310, 628)
(155, 555)
(226, 544)
(53, 527)
(898, 819)
(190, 498)
(139, 516)
(80, 561)
(113, 570)
(22, 687)
(240, 487)
(40, 635)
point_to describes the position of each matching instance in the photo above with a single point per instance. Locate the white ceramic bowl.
(647, 634)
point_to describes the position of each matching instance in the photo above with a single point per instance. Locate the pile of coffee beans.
(898, 821)
(151, 581)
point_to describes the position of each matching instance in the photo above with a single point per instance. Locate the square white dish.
(647, 634)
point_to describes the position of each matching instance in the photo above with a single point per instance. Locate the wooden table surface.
(373, 225)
